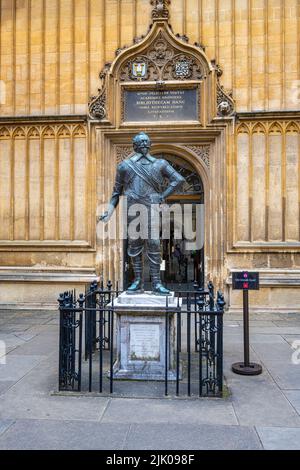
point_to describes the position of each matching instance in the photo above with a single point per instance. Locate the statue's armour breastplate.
(138, 188)
(139, 181)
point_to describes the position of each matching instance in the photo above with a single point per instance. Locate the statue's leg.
(155, 261)
(135, 251)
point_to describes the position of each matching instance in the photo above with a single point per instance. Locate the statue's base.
(141, 337)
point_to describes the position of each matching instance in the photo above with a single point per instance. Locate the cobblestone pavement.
(261, 412)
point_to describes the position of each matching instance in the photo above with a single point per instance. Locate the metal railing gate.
(87, 340)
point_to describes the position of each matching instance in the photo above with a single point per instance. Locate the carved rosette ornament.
(160, 10)
(225, 102)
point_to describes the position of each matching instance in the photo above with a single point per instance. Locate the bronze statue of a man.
(140, 178)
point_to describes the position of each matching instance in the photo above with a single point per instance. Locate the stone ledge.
(47, 275)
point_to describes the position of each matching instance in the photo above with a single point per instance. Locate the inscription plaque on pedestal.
(144, 342)
(141, 337)
(165, 105)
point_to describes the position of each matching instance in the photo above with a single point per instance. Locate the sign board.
(245, 280)
(161, 105)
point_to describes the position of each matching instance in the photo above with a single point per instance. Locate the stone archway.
(205, 151)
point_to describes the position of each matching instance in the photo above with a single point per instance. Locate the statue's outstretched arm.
(117, 192)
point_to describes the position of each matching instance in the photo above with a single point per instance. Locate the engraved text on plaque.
(156, 105)
(144, 342)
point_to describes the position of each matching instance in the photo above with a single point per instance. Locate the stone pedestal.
(141, 337)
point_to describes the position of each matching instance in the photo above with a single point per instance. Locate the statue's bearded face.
(142, 144)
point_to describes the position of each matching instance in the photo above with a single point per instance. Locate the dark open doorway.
(181, 267)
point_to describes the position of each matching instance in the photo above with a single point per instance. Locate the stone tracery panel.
(267, 183)
(43, 184)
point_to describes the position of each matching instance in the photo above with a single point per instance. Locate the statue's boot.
(137, 286)
(157, 287)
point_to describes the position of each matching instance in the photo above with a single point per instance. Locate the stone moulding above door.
(161, 60)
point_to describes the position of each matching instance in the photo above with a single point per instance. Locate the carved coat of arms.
(182, 68)
(139, 69)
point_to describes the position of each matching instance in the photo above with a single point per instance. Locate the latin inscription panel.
(144, 342)
(156, 105)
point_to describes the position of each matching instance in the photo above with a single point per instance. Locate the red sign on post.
(245, 280)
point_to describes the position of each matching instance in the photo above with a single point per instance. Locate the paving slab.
(234, 351)
(43, 344)
(273, 351)
(230, 323)
(198, 411)
(266, 339)
(41, 379)
(63, 435)
(257, 401)
(288, 322)
(293, 397)
(5, 385)
(17, 366)
(276, 330)
(191, 437)
(25, 336)
(5, 425)
(291, 339)
(15, 405)
(278, 438)
(11, 340)
(286, 375)
(38, 329)
(9, 328)
(237, 338)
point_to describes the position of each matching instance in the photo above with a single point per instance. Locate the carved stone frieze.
(161, 61)
(202, 151)
(123, 152)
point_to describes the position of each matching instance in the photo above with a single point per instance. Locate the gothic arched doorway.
(181, 267)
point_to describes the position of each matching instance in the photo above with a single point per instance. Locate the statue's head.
(141, 143)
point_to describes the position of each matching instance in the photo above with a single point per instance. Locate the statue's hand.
(104, 217)
(157, 199)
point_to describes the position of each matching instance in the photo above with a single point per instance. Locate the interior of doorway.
(180, 268)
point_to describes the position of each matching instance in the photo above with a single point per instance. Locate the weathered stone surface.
(278, 438)
(170, 411)
(52, 434)
(183, 437)
(18, 366)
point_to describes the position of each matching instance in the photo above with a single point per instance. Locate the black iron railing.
(89, 320)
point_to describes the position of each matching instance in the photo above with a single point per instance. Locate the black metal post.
(61, 319)
(80, 352)
(220, 352)
(90, 346)
(200, 354)
(101, 351)
(111, 342)
(246, 367)
(178, 351)
(166, 347)
(246, 328)
(188, 319)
